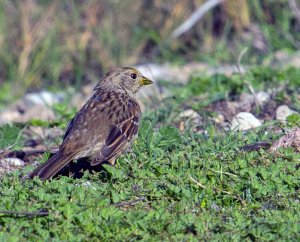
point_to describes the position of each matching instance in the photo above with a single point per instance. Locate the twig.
(295, 10)
(241, 55)
(218, 190)
(229, 193)
(226, 192)
(224, 172)
(130, 203)
(256, 146)
(248, 84)
(42, 212)
(198, 183)
(196, 16)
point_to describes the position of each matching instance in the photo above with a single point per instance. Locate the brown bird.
(104, 127)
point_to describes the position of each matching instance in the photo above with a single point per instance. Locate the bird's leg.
(97, 161)
(70, 169)
(112, 162)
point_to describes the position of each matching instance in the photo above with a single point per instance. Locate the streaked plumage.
(104, 126)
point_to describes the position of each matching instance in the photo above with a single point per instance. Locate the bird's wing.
(85, 119)
(120, 135)
(70, 125)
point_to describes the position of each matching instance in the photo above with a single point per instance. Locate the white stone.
(220, 119)
(263, 97)
(189, 113)
(247, 99)
(44, 97)
(244, 121)
(283, 112)
(12, 162)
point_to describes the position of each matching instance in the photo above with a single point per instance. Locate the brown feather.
(119, 137)
(52, 166)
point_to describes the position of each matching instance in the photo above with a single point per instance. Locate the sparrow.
(104, 127)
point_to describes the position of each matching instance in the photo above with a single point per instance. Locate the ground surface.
(185, 177)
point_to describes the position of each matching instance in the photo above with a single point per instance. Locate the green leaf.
(293, 120)
(167, 137)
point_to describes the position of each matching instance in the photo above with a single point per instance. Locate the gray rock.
(8, 162)
(283, 112)
(244, 121)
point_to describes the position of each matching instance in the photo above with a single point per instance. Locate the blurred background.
(56, 44)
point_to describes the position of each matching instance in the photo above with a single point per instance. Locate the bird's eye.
(133, 76)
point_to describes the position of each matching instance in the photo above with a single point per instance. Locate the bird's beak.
(145, 81)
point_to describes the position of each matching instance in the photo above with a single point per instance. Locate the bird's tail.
(52, 166)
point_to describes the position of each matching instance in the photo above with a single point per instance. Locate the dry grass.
(67, 43)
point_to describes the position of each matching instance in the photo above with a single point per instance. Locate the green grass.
(190, 186)
(246, 195)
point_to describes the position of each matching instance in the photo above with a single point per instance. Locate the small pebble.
(189, 113)
(263, 97)
(283, 112)
(11, 162)
(244, 121)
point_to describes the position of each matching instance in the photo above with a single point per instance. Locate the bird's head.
(125, 79)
